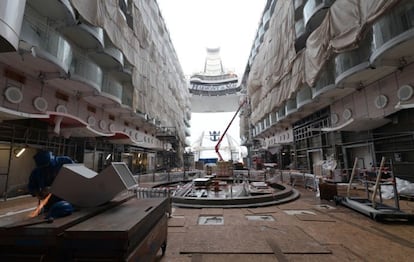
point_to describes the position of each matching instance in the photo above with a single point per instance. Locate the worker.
(42, 177)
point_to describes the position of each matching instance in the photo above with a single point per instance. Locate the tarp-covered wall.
(277, 71)
(160, 88)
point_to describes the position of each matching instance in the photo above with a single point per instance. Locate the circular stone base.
(282, 194)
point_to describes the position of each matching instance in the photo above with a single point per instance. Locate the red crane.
(217, 147)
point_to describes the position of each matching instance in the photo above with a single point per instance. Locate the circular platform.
(232, 195)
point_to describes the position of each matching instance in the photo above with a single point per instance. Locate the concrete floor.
(308, 229)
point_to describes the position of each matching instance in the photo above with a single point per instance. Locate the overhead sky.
(195, 25)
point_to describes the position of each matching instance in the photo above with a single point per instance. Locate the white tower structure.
(215, 90)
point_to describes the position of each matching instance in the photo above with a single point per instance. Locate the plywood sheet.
(293, 240)
(212, 211)
(176, 222)
(249, 240)
(295, 205)
(186, 211)
(263, 210)
(316, 218)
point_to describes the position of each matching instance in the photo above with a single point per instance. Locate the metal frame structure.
(371, 208)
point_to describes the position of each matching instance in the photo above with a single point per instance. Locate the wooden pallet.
(407, 197)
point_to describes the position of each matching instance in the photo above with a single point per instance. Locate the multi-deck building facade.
(332, 79)
(215, 90)
(98, 81)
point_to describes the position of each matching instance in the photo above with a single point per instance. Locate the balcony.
(325, 83)
(273, 118)
(85, 36)
(127, 95)
(111, 89)
(301, 35)
(291, 107)
(57, 10)
(299, 4)
(11, 18)
(262, 126)
(126, 107)
(394, 37)
(108, 57)
(111, 94)
(354, 69)
(314, 12)
(124, 73)
(42, 49)
(266, 19)
(303, 96)
(281, 113)
(266, 121)
(85, 76)
(325, 89)
(261, 33)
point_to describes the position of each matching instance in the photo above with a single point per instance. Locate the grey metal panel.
(11, 17)
(84, 187)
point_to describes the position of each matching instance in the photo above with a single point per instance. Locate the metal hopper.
(84, 187)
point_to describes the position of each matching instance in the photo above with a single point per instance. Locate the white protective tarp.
(340, 31)
(404, 187)
(278, 72)
(160, 87)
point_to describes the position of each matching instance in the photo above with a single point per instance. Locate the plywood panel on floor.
(316, 218)
(263, 210)
(295, 205)
(237, 257)
(212, 211)
(339, 253)
(252, 240)
(229, 239)
(176, 221)
(292, 239)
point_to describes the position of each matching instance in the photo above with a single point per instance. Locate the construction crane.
(217, 147)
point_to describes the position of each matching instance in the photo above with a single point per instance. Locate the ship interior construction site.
(111, 149)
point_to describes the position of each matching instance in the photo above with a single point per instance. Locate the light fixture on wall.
(19, 152)
(108, 156)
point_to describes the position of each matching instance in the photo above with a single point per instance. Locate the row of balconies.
(308, 16)
(71, 55)
(385, 48)
(264, 25)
